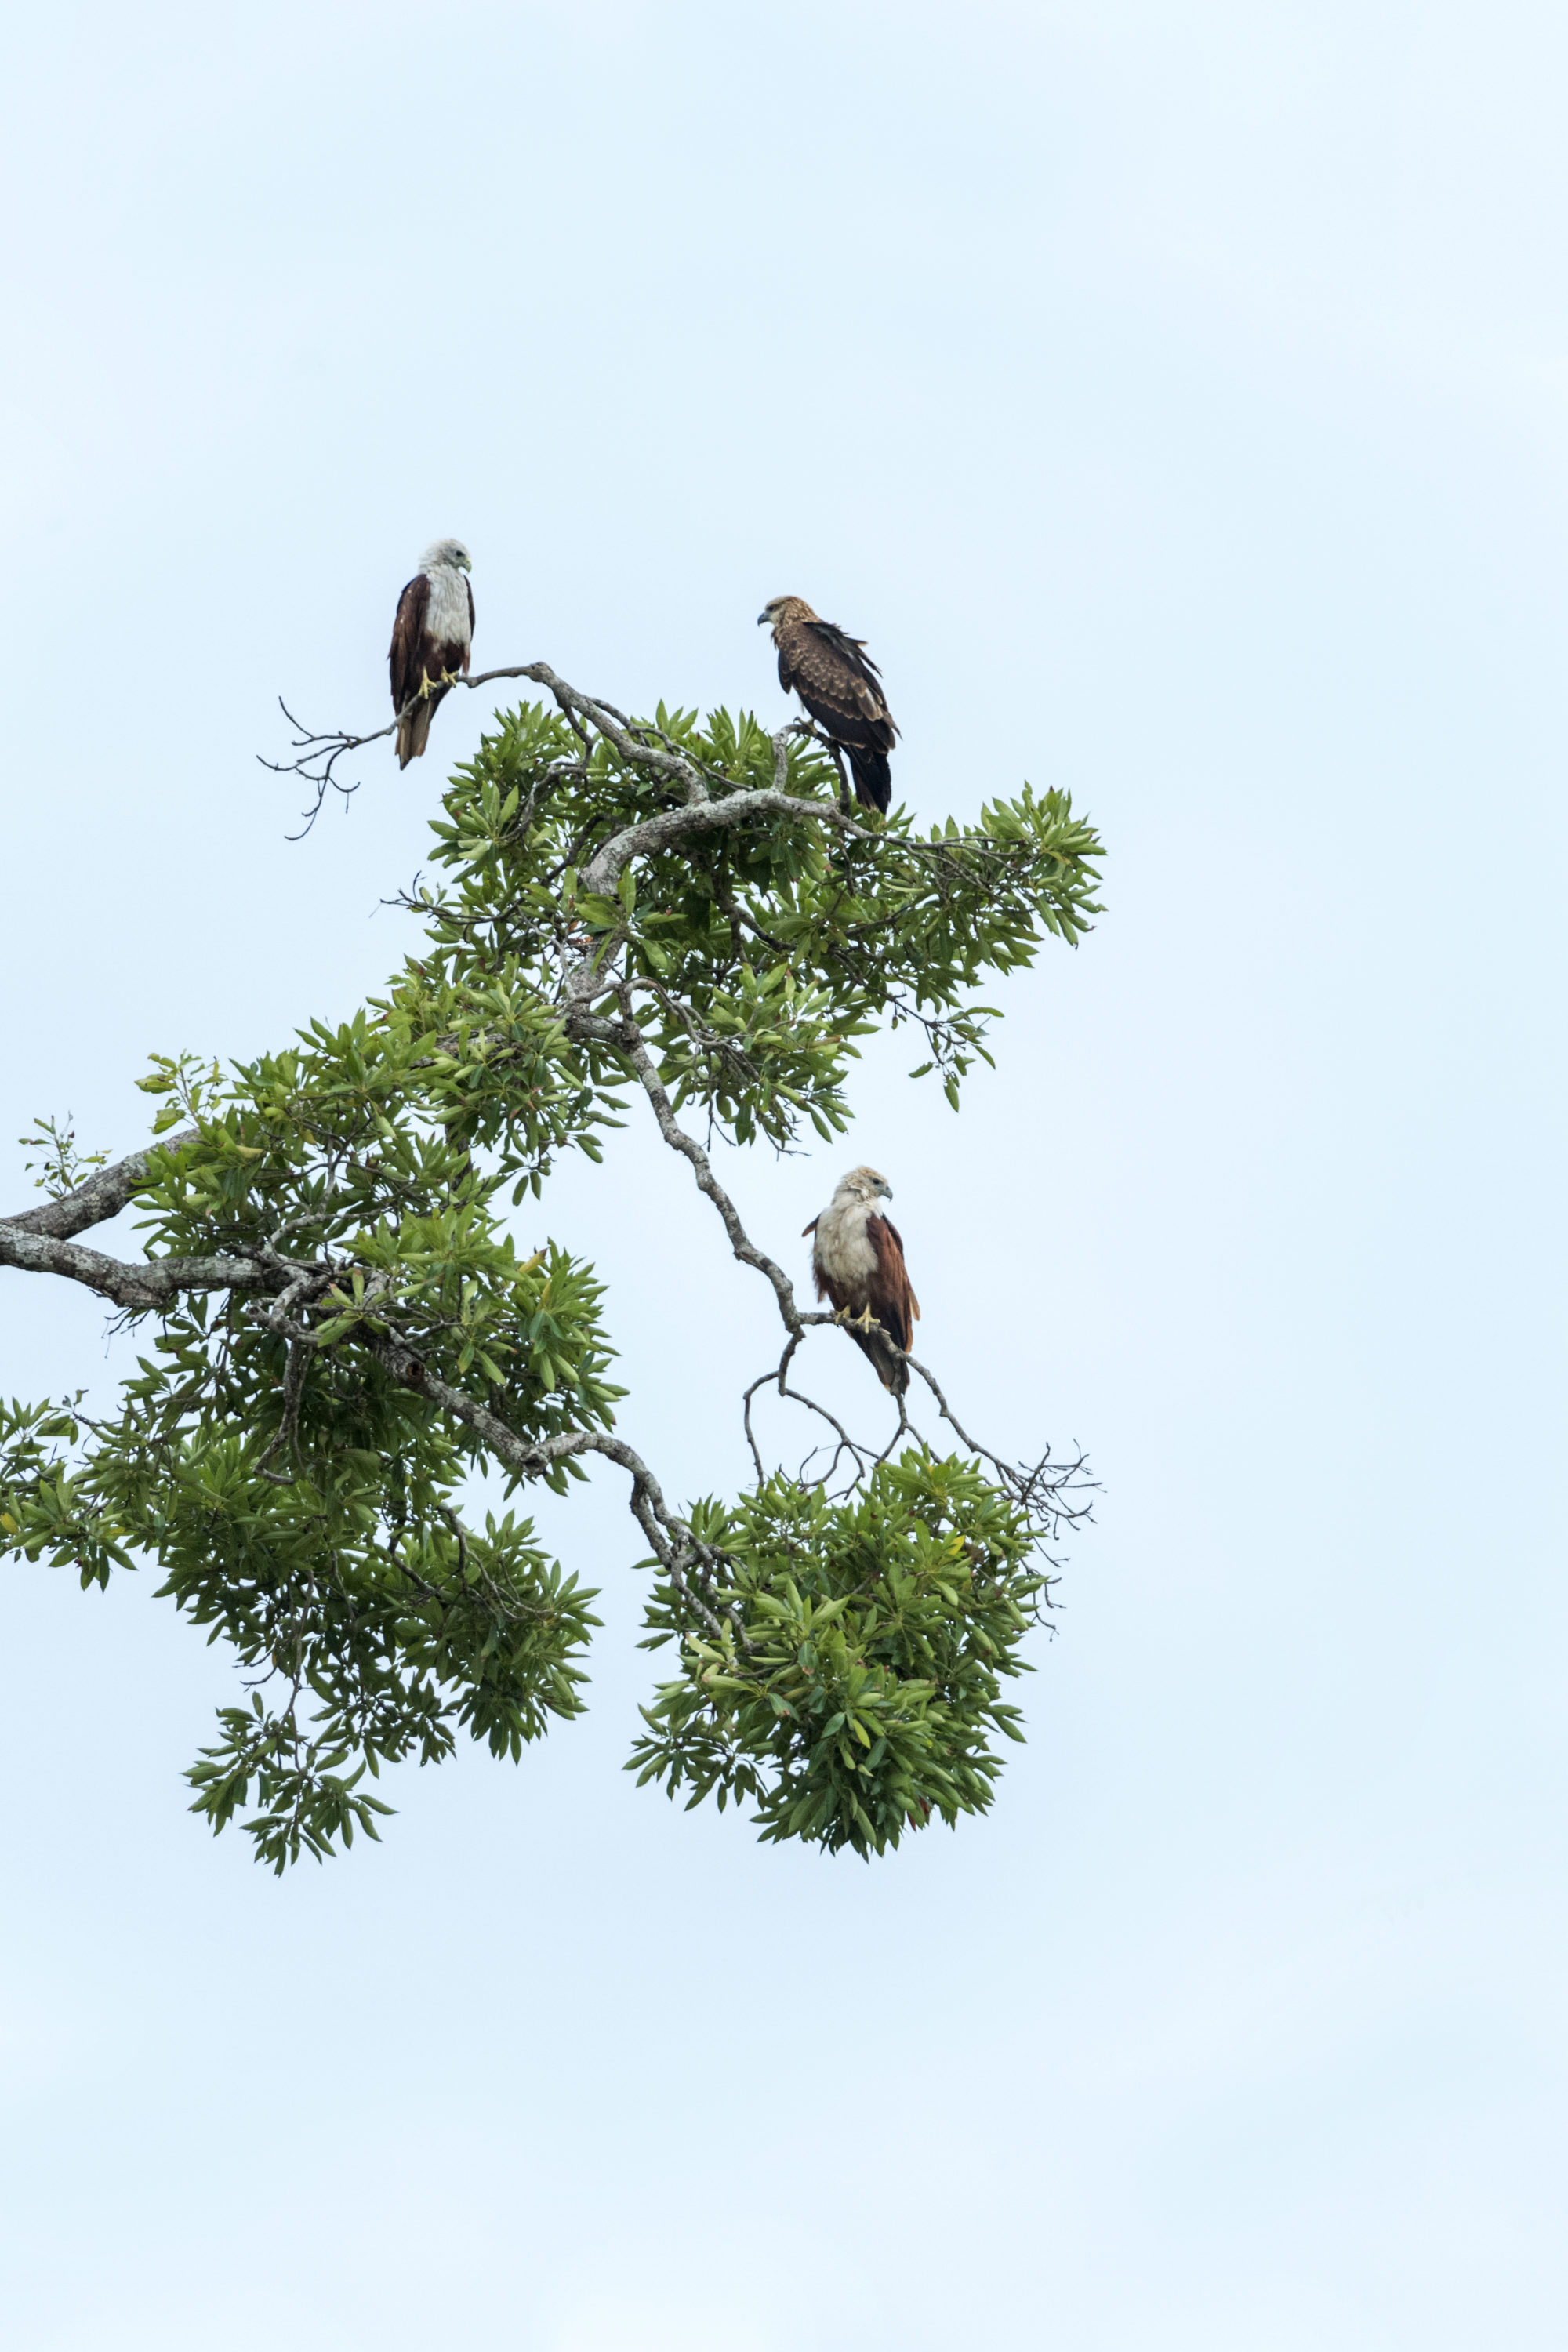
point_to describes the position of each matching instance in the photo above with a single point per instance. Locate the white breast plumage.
(845, 1250)
(446, 612)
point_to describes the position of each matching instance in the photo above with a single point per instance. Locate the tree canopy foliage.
(338, 1329)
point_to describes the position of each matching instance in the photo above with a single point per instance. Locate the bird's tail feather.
(413, 731)
(888, 1364)
(873, 777)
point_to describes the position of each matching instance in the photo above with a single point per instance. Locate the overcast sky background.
(1176, 395)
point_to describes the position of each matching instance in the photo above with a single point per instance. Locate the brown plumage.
(841, 686)
(857, 1260)
(432, 637)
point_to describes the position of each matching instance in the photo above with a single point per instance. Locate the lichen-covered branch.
(102, 1196)
(156, 1282)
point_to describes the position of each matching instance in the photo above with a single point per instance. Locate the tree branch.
(319, 754)
(103, 1196)
(154, 1282)
(670, 1536)
(630, 1039)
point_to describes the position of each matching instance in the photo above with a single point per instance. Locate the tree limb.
(103, 1196)
(154, 1282)
(631, 1041)
(670, 1536)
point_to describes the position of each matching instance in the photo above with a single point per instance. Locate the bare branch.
(630, 1039)
(319, 755)
(1028, 1483)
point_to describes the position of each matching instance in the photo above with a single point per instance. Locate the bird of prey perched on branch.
(857, 1259)
(431, 638)
(842, 688)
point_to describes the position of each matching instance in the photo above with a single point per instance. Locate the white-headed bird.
(431, 639)
(857, 1259)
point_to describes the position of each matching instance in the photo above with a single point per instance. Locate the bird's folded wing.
(850, 650)
(406, 660)
(836, 670)
(893, 1302)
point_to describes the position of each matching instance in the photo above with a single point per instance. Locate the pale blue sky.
(1177, 396)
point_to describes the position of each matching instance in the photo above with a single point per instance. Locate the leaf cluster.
(347, 1195)
(856, 1688)
(758, 953)
(299, 1501)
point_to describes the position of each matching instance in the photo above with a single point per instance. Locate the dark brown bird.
(857, 1260)
(842, 688)
(431, 638)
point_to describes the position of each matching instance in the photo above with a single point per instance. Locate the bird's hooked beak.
(762, 618)
(464, 563)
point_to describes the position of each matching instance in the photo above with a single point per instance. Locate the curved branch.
(154, 1282)
(655, 832)
(630, 1039)
(670, 1536)
(319, 755)
(103, 1196)
(1025, 1481)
